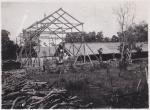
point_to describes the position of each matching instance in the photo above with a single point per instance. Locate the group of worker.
(61, 53)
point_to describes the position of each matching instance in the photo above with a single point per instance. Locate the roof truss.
(59, 22)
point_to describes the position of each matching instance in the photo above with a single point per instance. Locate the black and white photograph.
(74, 54)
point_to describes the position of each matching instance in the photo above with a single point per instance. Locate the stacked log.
(22, 93)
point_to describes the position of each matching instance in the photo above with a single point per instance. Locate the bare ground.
(102, 86)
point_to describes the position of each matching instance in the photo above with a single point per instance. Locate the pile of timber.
(18, 92)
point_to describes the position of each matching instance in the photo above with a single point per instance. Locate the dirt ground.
(101, 86)
(98, 84)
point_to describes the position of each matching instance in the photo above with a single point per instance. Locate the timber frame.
(56, 26)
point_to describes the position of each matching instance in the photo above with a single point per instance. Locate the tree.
(91, 37)
(141, 31)
(5, 35)
(125, 18)
(100, 36)
(8, 47)
(115, 38)
(106, 39)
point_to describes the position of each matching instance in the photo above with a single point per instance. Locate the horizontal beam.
(62, 23)
(72, 26)
(44, 27)
(52, 32)
(48, 37)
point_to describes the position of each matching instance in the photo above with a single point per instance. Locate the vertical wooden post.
(90, 59)
(84, 53)
(30, 61)
(73, 49)
(146, 74)
(49, 47)
(38, 52)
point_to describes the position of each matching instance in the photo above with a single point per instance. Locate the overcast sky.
(96, 15)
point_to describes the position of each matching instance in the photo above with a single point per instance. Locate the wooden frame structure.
(55, 26)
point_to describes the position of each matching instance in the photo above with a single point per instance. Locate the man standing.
(61, 52)
(100, 54)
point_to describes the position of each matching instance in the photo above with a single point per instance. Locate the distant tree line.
(138, 32)
(135, 33)
(89, 37)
